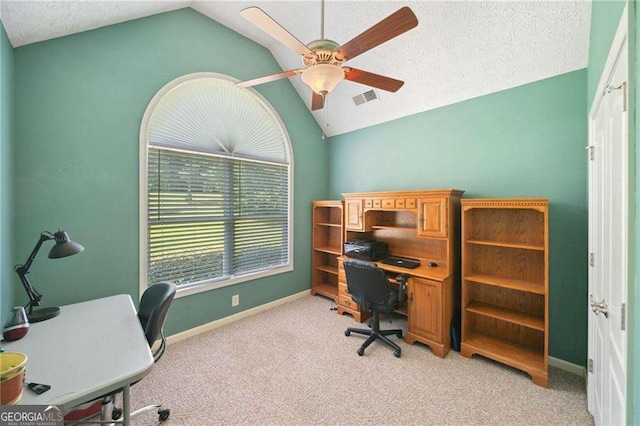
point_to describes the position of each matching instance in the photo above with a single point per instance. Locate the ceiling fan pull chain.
(326, 116)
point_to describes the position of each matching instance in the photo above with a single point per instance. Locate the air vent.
(365, 97)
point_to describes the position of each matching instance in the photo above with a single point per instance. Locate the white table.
(90, 349)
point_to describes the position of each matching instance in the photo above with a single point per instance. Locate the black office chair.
(370, 288)
(152, 313)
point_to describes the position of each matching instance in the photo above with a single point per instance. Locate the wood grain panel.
(425, 308)
(529, 303)
(508, 225)
(508, 262)
(508, 331)
(410, 245)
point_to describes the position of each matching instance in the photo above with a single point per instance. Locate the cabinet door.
(425, 308)
(432, 217)
(354, 215)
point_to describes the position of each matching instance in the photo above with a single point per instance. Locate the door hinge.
(623, 316)
(622, 86)
(591, 149)
(592, 259)
(590, 365)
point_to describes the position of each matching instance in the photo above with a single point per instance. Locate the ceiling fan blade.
(268, 78)
(317, 102)
(392, 26)
(374, 80)
(260, 19)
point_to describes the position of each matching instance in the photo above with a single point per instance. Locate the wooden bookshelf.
(328, 238)
(505, 283)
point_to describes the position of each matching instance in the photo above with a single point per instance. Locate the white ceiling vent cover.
(211, 115)
(365, 97)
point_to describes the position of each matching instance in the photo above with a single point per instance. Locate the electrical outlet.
(235, 300)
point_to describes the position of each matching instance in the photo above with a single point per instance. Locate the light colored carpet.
(293, 365)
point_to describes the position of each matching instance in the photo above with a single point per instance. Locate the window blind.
(214, 217)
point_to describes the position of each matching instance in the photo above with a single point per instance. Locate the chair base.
(374, 334)
(110, 413)
(163, 413)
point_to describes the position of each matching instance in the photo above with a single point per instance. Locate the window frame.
(199, 287)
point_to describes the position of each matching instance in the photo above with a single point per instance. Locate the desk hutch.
(417, 224)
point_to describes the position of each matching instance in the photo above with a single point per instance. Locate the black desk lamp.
(64, 247)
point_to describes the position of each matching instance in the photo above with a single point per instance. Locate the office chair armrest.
(402, 282)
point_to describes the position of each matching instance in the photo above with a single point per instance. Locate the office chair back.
(152, 313)
(368, 285)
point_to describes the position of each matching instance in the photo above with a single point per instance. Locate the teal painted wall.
(605, 16)
(7, 104)
(523, 142)
(80, 101)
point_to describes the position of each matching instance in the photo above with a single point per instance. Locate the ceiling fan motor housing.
(325, 52)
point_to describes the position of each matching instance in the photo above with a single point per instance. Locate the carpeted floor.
(293, 365)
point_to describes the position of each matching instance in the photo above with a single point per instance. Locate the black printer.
(366, 249)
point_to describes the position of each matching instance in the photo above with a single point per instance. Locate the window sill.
(215, 284)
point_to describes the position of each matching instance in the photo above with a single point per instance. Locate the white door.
(608, 242)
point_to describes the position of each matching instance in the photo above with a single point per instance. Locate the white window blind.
(218, 186)
(213, 217)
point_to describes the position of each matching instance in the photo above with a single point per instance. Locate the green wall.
(523, 142)
(80, 101)
(605, 16)
(7, 103)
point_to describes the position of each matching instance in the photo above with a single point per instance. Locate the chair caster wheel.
(163, 414)
(397, 353)
(360, 351)
(116, 413)
(347, 333)
(399, 334)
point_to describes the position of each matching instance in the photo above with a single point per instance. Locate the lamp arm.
(23, 270)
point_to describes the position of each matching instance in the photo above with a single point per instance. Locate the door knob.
(599, 307)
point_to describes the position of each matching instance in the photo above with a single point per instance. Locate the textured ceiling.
(460, 49)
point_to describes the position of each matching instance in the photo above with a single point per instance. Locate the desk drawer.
(377, 203)
(400, 203)
(410, 203)
(368, 203)
(347, 302)
(388, 203)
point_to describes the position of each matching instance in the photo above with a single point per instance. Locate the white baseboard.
(568, 366)
(235, 317)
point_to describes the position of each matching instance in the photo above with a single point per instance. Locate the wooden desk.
(419, 224)
(429, 305)
(90, 349)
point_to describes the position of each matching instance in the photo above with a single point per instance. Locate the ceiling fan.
(323, 59)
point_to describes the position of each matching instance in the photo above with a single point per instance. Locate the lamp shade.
(64, 246)
(322, 78)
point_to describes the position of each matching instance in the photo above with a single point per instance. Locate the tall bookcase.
(505, 285)
(327, 247)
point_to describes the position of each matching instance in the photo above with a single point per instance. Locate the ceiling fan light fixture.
(322, 78)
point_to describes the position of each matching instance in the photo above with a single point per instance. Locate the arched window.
(216, 173)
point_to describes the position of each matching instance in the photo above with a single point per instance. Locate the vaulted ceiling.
(459, 50)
